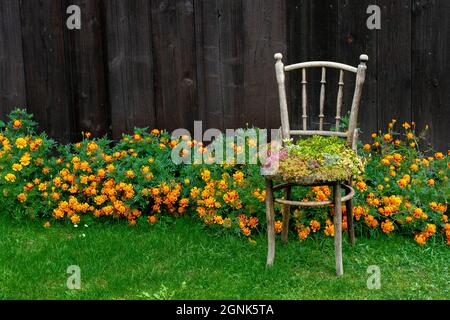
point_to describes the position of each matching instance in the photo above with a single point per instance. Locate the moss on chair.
(316, 159)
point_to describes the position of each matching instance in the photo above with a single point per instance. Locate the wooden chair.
(351, 135)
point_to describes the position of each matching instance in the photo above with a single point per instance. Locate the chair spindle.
(340, 98)
(304, 99)
(323, 82)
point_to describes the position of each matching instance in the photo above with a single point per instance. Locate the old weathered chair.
(351, 135)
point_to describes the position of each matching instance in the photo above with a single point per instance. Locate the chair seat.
(313, 161)
(309, 172)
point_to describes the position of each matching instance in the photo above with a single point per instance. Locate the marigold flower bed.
(404, 189)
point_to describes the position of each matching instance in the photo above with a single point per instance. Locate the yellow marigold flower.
(406, 125)
(431, 182)
(155, 132)
(92, 146)
(206, 175)
(10, 177)
(22, 197)
(238, 176)
(412, 145)
(418, 213)
(329, 229)
(398, 157)
(21, 143)
(409, 136)
(402, 183)
(414, 167)
(430, 229)
(17, 124)
(194, 192)
(367, 147)
(387, 137)
(17, 167)
(374, 135)
(47, 225)
(129, 174)
(75, 219)
(218, 220)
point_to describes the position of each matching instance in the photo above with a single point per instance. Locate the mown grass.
(184, 261)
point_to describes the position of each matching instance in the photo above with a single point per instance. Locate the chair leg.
(338, 228)
(286, 217)
(270, 212)
(350, 224)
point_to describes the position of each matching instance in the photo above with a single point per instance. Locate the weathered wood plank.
(208, 63)
(394, 62)
(264, 34)
(129, 64)
(173, 28)
(354, 39)
(47, 69)
(88, 78)
(230, 14)
(12, 76)
(430, 58)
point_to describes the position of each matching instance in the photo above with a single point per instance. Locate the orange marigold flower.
(315, 225)
(387, 226)
(246, 231)
(75, 219)
(155, 132)
(278, 226)
(387, 137)
(367, 147)
(22, 197)
(420, 238)
(439, 156)
(362, 186)
(431, 182)
(304, 233)
(17, 124)
(238, 176)
(402, 183)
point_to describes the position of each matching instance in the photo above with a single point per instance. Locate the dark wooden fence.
(166, 63)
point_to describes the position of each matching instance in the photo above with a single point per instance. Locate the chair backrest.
(360, 72)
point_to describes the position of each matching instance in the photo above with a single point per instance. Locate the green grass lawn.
(184, 261)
